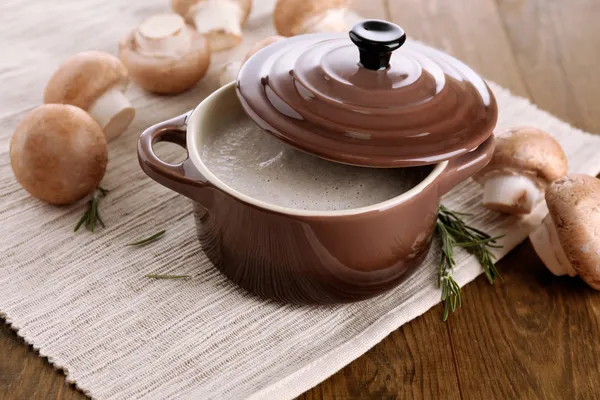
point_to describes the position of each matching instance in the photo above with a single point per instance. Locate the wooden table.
(533, 336)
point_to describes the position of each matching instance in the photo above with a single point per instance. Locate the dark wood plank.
(531, 337)
(471, 30)
(534, 335)
(24, 375)
(415, 362)
(556, 47)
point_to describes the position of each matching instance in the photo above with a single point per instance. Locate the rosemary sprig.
(473, 240)
(150, 239)
(92, 214)
(158, 276)
(450, 290)
(453, 231)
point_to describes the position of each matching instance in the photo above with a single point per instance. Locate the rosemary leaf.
(81, 221)
(451, 296)
(158, 276)
(92, 215)
(488, 242)
(454, 232)
(471, 239)
(150, 239)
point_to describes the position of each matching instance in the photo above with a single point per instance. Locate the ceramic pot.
(295, 255)
(350, 99)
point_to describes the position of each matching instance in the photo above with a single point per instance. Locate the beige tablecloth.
(82, 299)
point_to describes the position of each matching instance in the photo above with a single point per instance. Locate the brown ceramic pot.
(295, 255)
(315, 93)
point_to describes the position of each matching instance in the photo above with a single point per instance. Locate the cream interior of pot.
(247, 159)
(315, 93)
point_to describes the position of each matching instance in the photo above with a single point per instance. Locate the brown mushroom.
(295, 17)
(568, 241)
(58, 153)
(94, 81)
(230, 70)
(219, 20)
(164, 55)
(526, 160)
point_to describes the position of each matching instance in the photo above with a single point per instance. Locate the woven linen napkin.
(82, 299)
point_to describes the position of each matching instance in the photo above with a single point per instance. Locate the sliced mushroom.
(230, 70)
(295, 17)
(526, 160)
(94, 81)
(568, 241)
(219, 20)
(164, 55)
(58, 153)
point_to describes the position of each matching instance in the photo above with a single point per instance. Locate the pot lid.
(371, 99)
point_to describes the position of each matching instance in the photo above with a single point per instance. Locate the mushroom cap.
(528, 151)
(166, 75)
(182, 7)
(58, 153)
(290, 15)
(574, 204)
(84, 77)
(262, 44)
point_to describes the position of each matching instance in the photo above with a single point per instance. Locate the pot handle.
(465, 166)
(183, 178)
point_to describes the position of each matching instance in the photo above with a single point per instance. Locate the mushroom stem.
(113, 112)
(547, 245)
(224, 16)
(163, 35)
(332, 20)
(510, 193)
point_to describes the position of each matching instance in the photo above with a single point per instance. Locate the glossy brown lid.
(370, 99)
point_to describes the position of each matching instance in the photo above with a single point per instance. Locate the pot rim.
(193, 127)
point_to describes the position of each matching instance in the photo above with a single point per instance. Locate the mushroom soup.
(253, 162)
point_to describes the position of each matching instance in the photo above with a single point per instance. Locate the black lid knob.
(376, 39)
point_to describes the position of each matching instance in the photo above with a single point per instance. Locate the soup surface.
(254, 162)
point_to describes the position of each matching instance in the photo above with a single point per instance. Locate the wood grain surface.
(533, 336)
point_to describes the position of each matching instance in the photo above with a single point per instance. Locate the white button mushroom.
(230, 70)
(94, 81)
(58, 153)
(295, 17)
(219, 20)
(164, 55)
(526, 160)
(568, 241)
